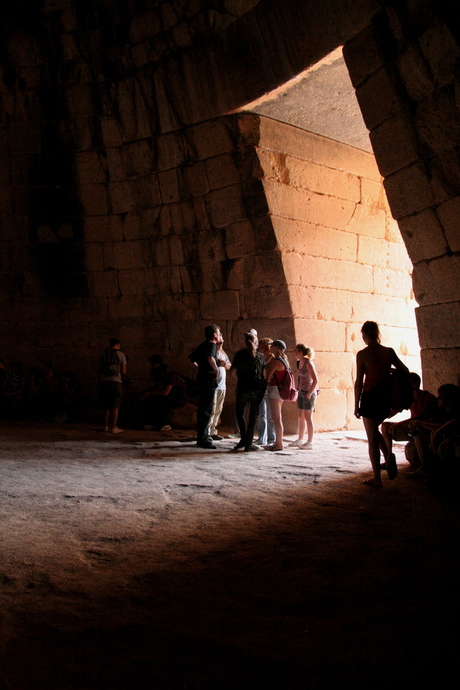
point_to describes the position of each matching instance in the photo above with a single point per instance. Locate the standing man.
(112, 367)
(224, 365)
(205, 358)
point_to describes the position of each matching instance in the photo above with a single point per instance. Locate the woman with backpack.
(275, 373)
(308, 384)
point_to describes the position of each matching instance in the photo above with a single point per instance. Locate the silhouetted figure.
(275, 371)
(13, 390)
(205, 358)
(373, 396)
(248, 367)
(306, 400)
(265, 428)
(223, 363)
(112, 368)
(166, 391)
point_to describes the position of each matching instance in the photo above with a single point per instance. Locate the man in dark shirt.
(204, 357)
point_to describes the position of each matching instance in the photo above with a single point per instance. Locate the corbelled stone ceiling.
(321, 100)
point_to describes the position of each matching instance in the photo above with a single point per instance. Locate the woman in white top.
(306, 400)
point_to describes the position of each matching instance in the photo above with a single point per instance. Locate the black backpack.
(110, 363)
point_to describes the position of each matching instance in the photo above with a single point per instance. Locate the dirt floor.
(141, 561)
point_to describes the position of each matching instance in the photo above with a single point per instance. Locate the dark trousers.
(243, 399)
(204, 411)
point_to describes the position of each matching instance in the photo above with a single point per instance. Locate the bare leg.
(310, 424)
(275, 406)
(302, 424)
(372, 433)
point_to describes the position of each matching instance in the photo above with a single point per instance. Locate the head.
(251, 342)
(278, 348)
(264, 345)
(370, 332)
(212, 332)
(303, 351)
(449, 397)
(156, 361)
(114, 344)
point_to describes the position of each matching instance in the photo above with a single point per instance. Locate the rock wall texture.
(131, 202)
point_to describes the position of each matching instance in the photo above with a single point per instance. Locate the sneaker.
(307, 446)
(116, 430)
(298, 443)
(216, 437)
(166, 427)
(251, 448)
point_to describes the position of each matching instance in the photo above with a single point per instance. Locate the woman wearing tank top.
(372, 397)
(306, 400)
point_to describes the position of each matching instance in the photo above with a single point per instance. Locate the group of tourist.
(38, 394)
(433, 428)
(261, 370)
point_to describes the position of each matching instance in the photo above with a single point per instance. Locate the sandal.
(376, 483)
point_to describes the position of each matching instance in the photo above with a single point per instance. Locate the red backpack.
(286, 387)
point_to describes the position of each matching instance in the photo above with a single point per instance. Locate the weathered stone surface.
(400, 130)
(331, 409)
(437, 282)
(169, 186)
(94, 199)
(392, 283)
(320, 335)
(376, 252)
(408, 191)
(121, 197)
(449, 215)
(195, 180)
(379, 97)
(440, 366)
(246, 237)
(225, 206)
(103, 229)
(364, 55)
(424, 235)
(220, 305)
(437, 325)
(211, 138)
(266, 302)
(314, 240)
(327, 273)
(367, 221)
(277, 136)
(415, 73)
(222, 171)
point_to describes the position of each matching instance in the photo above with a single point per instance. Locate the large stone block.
(80, 100)
(247, 237)
(220, 305)
(335, 369)
(281, 328)
(137, 158)
(392, 283)
(135, 254)
(409, 191)
(277, 136)
(121, 197)
(145, 223)
(415, 73)
(89, 168)
(111, 135)
(437, 282)
(195, 181)
(93, 257)
(327, 273)
(314, 240)
(438, 326)
(314, 208)
(367, 221)
(103, 284)
(173, 150)
(129, 307)
(212, 138)
(395, 143)
(303, 174)
(222, 171)
(364, 55)
(324, 336)
(440, 366)
(115, 169)
(266, 302)
(331, 410)
(103, 229)
(94, 199)
(441, 51)
(437, 121)
(379, 97)
(137, 281)
(225, 206)
(449, 214)
(423, 235)
(256, 271)
(169, 186)
(376, 252)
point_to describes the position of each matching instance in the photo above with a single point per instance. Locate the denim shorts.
(303, 403)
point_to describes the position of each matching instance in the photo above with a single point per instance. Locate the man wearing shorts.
(112, 367)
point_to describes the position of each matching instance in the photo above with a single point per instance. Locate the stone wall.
(343, 257)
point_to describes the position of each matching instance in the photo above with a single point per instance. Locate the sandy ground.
(141, 561)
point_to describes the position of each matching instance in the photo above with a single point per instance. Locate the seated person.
(166, 391)
(428, 435)
(13, 390)
(424, 406)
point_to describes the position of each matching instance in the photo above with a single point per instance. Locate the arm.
(314, 377)
(213, 365)
(396, 362)
(360, 369)
(272, 366)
